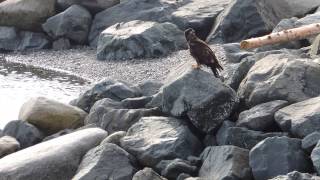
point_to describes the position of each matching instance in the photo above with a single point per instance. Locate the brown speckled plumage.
(201, 52)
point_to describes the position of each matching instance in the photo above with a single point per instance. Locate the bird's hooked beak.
(189, 33)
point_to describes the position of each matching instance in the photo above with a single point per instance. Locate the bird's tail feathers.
(219, 67)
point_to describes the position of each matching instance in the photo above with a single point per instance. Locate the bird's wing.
(209, 51)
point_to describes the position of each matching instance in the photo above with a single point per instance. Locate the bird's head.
(190, 34)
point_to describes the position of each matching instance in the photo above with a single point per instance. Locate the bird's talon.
(195, 66)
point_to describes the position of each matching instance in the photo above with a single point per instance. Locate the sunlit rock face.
(261, 117)
(73, 23)
(106, 160)
(280, 77)
(139, 39)
(266, 164)
(197, 94)
(146, 174)
(8, 145)
(55, 159)
(225, 162)
(153, 139)
(300, 119)
(199, 14)
(51, 116)
(26, 14)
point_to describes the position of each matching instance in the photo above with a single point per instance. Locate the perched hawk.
(201, 52)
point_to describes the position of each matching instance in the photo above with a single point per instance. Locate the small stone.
(114, 138)
(174, 168)
(147, 174)
(310, 141)
(8, 145)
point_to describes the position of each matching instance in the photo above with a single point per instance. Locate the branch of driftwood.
(282, 36)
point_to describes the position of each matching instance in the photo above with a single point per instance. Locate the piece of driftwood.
(282, 36)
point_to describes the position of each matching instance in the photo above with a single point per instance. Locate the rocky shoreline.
(148, 114)
(81, 61)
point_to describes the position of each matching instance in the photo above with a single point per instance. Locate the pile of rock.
(261, 122)
(140, 29)
(193, 126)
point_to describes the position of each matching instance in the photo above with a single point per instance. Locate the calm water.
(18, 83)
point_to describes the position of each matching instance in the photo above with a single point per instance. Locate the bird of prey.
(201, 52)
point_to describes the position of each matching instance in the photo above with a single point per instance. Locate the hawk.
(201, 52)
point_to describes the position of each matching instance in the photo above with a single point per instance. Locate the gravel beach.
(82, 62)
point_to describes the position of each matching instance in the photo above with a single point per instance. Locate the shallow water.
(19, 82)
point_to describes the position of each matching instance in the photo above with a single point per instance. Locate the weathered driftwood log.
(282, 36)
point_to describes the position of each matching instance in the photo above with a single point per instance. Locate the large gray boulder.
(12, 39)
(275, 78)
(200, 96)
(300, 119)
(154, 10)
(147, 174)
(226, 162)
(93, 6)
(295, 175)
(55, 159)
(233, 25)
(153, 139)
(261, 17)
(273, 157)
(26, 14)
(51, 116)
(294, 8)
(242, 137)
(73, 23)
(116, 90)
(149, 40)
(8, 145)
(114, 119)
(24, 132)
(199, 15)
(107, 160)
(261, 117)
